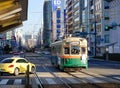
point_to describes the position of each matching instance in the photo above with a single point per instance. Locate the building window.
(76, 19)
(58, 13)
(58, 26)
(58, 21)
(106, 38)
(76, 5)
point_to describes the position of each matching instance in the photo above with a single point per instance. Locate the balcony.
(106, 18)
(106, 7)
(108, 0)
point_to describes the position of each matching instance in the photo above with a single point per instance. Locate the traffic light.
(106, 28)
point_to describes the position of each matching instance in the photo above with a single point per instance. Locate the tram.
(70, 53)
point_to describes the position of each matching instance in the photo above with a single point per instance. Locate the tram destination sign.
(75, 43)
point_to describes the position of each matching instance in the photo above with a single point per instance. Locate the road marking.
(91, 79)
(72, 80)
(50, 81)
(17, 81)
(4, 81)
(117, 78)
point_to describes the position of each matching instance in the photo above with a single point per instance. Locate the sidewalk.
(104, 60)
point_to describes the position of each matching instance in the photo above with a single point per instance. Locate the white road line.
(117, 78)
(72, 80)
(4, 81)
(50, 81)
(94, 80)
(17, 81)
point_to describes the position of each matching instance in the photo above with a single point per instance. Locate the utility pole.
(94, 28)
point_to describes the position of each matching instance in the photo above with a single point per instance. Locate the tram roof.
(69, 39)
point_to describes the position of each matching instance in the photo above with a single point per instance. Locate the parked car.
(16, 65)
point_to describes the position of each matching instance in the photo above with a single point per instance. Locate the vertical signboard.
(55, 4)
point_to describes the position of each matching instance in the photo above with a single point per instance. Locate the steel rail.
(40, 82)
(40, 85)
(58, 77)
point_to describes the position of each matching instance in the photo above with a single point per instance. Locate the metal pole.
(28, 80)
(94, 28)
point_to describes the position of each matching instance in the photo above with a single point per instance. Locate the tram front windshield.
(75, 49)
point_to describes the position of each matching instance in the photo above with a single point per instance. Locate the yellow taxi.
(16, 65)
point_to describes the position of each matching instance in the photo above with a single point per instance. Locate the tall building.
(96, 25)
(69, 15)
(47, 11)
(112, 32)
(74, 10)
(40, 37)
(58, 19)
(104, 26)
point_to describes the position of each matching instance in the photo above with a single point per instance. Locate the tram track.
(94, 75)
(109, 79)
(82, 82)
(41, 85)
(64, 84)
(105, 81)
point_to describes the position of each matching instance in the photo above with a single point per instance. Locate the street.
(100, 74)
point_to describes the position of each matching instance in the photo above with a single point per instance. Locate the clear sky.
(35, 16)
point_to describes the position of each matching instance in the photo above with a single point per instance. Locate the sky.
(35, 16)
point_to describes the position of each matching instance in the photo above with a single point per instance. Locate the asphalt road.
(100, 74)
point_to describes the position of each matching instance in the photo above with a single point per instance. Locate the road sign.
(57, 2)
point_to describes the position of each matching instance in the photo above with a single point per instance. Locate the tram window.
(66, 50)
(75, 50)
(52, 49)
(83, 50)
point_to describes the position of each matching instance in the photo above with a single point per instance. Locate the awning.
(12, 13)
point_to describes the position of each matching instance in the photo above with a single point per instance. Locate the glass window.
(83, 50)
(21, 61)
(106, 38)
(66, 50)
(58, 21)
(58, 13)
(58, 26)
(7, 61)
(75, 50)
(76, 5)
(76, 19)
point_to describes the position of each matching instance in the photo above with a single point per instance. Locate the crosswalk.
(55, 81)
(12, 81)
(77, 81)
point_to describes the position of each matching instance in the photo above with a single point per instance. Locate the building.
(112, 32)
(74, 10)
(40, 37)
(69, 16)
(58, 19)
(104, 26)
(47, 11)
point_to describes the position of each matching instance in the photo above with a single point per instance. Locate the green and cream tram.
(70, 53)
